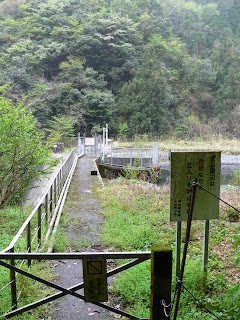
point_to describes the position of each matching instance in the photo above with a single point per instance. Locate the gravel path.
(82, 208)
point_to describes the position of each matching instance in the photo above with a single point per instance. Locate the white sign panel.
(185, 168)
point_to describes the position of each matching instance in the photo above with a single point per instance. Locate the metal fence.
(131, 157)
(138, 257)
(39, 225)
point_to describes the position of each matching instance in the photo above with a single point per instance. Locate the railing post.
(111, 153)
(60, 180)
(51, 201)
(131, 155)
(46, 208)
(106, 134)
(79, 143)
(39, 225)
(161, 280)
(58, 184)
(13, 283)
(103, 152)
(150, 157)
(29, 242)
(141, 157)
(84, 143)
(104, 137)
(55, 192)
(95, 143)
(155, 154)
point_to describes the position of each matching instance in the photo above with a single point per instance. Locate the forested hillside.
(143, 66)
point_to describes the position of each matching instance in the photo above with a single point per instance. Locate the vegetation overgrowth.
(11, 218)
(213, 143)
(168, 67)
(137, 215)
(21, 150)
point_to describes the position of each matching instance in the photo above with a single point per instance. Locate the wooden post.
(205, 245)
(161, 280)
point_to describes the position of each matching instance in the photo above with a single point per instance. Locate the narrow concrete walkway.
(83, 211)
(37, 187)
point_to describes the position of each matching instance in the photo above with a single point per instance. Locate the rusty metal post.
(161, 280)
(13, 283)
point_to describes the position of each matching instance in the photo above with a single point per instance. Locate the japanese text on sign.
(185, 168)
(95, 279)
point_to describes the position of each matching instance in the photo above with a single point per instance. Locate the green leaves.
(21, 150)
(161, 60)
(61, 128)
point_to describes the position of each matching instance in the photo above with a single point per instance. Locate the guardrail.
(131, 157)
(42, 220)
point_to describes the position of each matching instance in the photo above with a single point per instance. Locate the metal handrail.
(52, 200)
(39, 204)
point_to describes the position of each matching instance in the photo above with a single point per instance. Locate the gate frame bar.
(140, 257)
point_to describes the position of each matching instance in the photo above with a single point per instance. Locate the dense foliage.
(158, 67)
(21, 150)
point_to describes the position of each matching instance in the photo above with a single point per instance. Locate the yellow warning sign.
(185, 168)
(95, 279)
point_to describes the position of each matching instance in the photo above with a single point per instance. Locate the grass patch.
(11, 218)
(137, 215)
(227, 146)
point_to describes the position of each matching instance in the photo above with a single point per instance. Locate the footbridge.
(35, 238)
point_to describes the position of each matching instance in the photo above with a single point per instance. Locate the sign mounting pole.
(205, 245)
(178, 248)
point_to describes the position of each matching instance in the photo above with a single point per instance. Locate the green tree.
(107, 43)
(61, 128)
(21, 150)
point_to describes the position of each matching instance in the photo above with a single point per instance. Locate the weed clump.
(137, 216)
